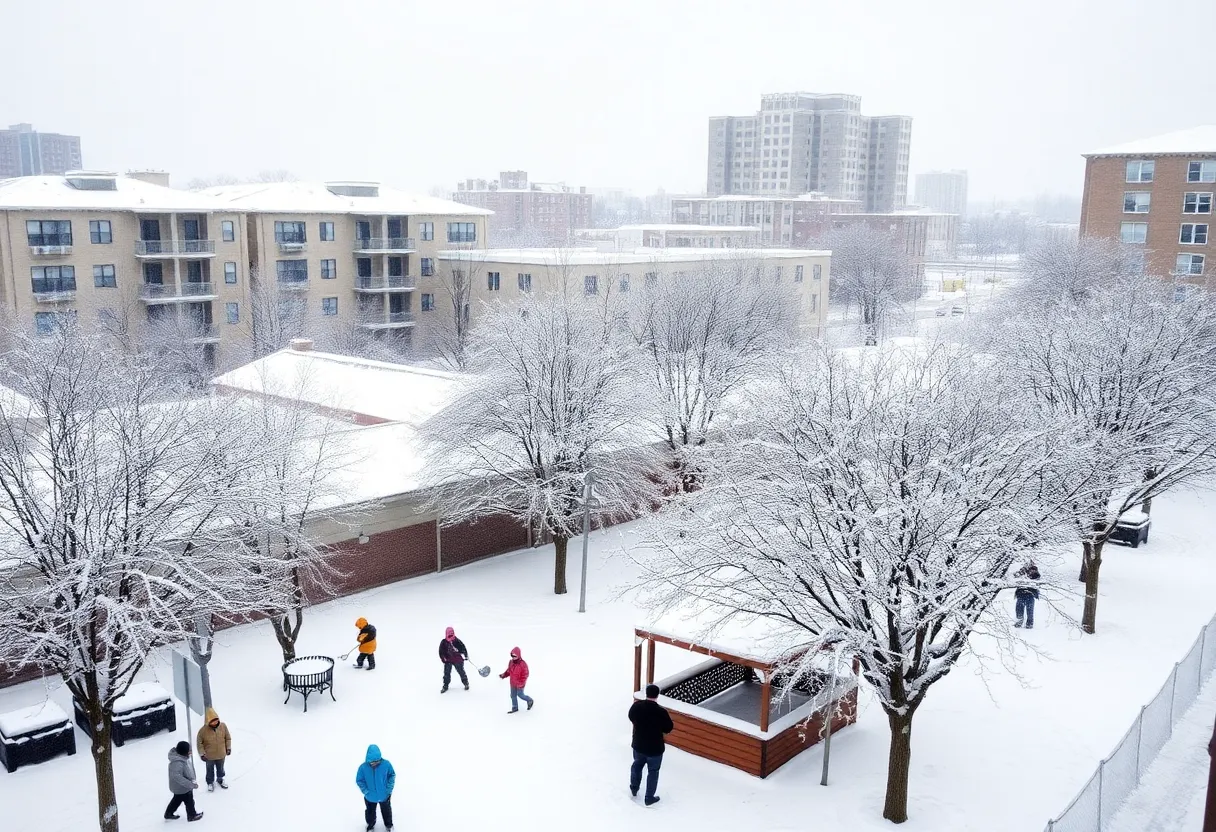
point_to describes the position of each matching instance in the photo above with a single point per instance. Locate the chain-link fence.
(1119, 773)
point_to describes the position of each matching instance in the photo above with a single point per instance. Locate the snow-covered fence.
(1120, 772)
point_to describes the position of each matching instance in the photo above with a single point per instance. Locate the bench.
(35, 734)
(145, 709)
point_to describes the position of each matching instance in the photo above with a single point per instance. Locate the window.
(426, 230)
(99, 232)
(777, 274)
(462, 232)
(1136, 202)
(291, 271)
(652, 279)
(234, 312)
(591, 285)
(49, 232)
(230, 273)
(798, 274)
(228, 231)
(525, 282)
(1189, 264)
(428, 302)
(363, 267)
(329, 307)
(428, 266)
(46, 323)
(814, 303)
(1133, 232)
(396, 267)
(1201, 171)
(47, 279)
(103, 277)
(326, 234)
(329, 269)
(816, 272)
(1140, 171)
(623, 283)
(1194, 234)
(493, 281)
(290, 232)
(154, 274)
(1195, 203)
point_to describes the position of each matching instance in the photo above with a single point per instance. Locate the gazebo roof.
(743, 639)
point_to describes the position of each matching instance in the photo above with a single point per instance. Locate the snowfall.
(1002, 743)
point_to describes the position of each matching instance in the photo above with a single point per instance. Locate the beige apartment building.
(1156, 194)
(508, 274)
(124, 250)
(668, 235)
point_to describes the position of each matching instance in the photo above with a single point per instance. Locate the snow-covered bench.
(34, 734)
(145, 709)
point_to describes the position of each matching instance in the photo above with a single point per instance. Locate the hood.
(515, 654)
(210, 715)
(449, 634)
(361, 623)
(373, 754)
(173, 755)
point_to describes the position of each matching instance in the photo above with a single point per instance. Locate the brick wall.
(385, 558)
(492, 535)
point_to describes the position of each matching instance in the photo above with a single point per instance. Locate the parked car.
(955, 311)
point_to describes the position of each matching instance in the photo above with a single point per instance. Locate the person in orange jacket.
(367, 644)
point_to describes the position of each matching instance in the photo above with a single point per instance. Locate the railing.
(1098, 801)
(298, 284)
(53, 288)
(400, 317)
(51, 249)
(161, 248)
(291, 243)
(394, 319)
(384, 244)
(204, 332)
(379, 284)
(170, 291)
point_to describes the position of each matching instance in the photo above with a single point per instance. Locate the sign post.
(582, 584)
(188, 687)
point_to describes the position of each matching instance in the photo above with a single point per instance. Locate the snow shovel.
(346, 655)
(483, 672)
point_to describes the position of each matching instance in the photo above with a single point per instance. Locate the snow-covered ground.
(993, 750)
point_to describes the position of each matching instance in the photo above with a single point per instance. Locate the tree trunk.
(103, 766)
(1092, 562)
(201, 647)
(286, 633)
(899, 763)
(1147, 507)
(559, 564)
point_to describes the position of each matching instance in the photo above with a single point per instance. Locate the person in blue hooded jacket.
(376, 779)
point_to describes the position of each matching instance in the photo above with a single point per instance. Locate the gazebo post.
(766, 694)
(637, 665)
(650, 661)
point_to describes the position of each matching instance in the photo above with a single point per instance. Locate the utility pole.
(582, 588)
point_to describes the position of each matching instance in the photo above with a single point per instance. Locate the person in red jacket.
(517, 672)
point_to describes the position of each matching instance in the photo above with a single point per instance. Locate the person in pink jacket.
(517, 672)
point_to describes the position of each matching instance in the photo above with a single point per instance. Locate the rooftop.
(126, 194)
(1200, 139)
(640, 256)
(679, 227)
(320, 198)
(814, 196)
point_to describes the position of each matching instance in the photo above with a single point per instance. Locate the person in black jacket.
(452, 653)
(1026, 580)
(650, 722)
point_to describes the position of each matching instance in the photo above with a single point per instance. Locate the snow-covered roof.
(58, 192)
(1201, 139)
(814, 196)
(762, 640)
(318, 198)
(640, 256)
(379, 461)
(685, 227)
(376, 389)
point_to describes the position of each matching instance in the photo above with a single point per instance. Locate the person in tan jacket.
(214, 745)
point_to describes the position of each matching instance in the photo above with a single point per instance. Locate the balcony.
(385, 245)
(395, 320)
(292, 284)
(205, 334)
(386, 284)
(174, 248)
(51, 250)
(171, 293)
(291, 245)
(54, 290)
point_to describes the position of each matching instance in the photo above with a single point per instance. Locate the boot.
(443, 689)
(223, 785)
(199, 816)
(531, 703)
(210, 787)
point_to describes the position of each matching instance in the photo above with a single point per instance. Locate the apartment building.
(26, 152)
(528, 211)
(338, 253)
(667, 235)
(1156, 194)
(802, 142)
(942, 191)
(495, 274)
(790, 221)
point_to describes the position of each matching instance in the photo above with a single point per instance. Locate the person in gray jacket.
(182, 782)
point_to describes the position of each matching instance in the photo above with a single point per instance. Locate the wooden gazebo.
(724, 708)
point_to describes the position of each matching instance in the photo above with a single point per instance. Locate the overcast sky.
(604, 93)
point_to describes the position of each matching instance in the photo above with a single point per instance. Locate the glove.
(203, 757)
(228, 752)
(502, 675)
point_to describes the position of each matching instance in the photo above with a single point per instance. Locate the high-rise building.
(1156, 194)
(26, 152)
(810, 143)
(528, 212)
(942, 191)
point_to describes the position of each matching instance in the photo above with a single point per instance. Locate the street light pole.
(582, 587)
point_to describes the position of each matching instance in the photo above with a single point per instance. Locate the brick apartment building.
(528, 212)
(1156, 194)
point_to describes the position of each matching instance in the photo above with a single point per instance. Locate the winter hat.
(361, 623)
(182, 748)
(449, 634)
(652, 691)
(515, 654)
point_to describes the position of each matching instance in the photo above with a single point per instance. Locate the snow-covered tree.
(876, 503)
(870, 269)
(547, 401)
(703, 336)
(448, 334)
(1063, 270)
(1131, 365)
(115, 499)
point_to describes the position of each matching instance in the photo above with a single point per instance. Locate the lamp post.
(582, 584)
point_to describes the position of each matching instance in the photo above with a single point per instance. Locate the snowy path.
(1170, 797)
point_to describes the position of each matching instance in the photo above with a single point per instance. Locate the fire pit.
(309, 674)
